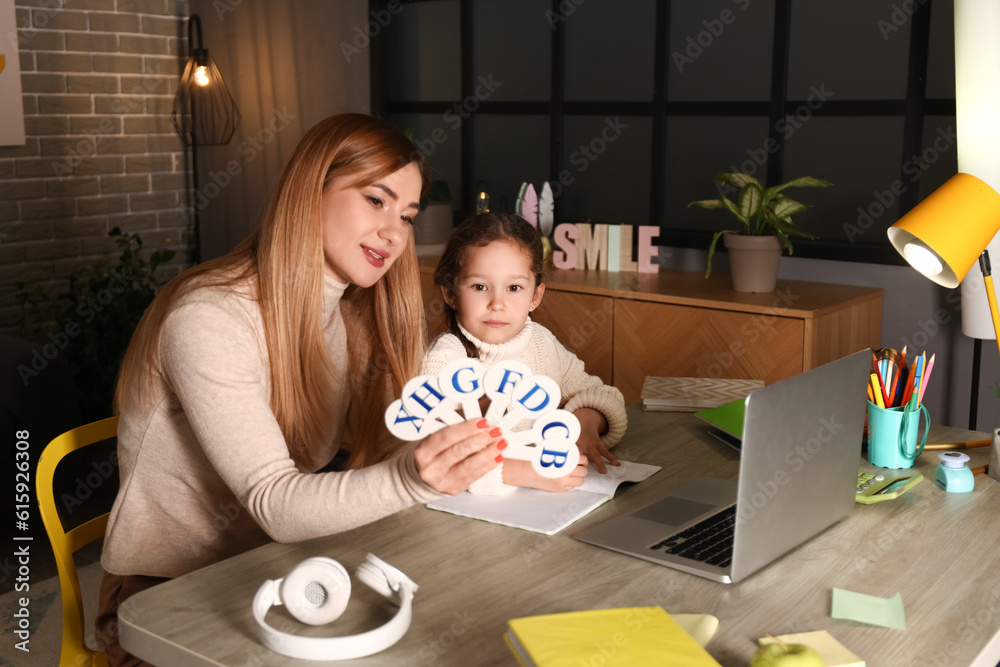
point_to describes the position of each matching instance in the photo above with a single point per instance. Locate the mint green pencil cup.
(894, 438)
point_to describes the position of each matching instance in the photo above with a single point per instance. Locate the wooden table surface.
(939, 550)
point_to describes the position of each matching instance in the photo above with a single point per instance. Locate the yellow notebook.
(609, 637)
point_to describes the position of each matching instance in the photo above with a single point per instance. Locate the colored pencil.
(877, 390)
(918, 381)
(909, 381)
(926, 378)
(968, 444)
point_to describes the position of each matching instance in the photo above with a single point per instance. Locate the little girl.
(491, 279)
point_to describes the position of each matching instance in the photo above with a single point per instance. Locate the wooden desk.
(938, 550)
(625, 326)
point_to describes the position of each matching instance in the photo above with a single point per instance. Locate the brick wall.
(98, 78)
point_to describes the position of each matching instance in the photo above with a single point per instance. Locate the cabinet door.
(685, 341)
(584, 325)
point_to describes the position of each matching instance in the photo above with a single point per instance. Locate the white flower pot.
(432, 226)
(753, 261)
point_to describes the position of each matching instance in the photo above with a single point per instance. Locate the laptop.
(798, 476)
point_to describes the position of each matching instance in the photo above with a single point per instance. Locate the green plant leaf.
(801, 182)
(751, 197)
(783, 207)
(738, 179)
(711, 248)
(708, 203)
(723, 203)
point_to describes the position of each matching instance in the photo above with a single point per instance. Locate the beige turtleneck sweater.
(537, 347)
(205, 471)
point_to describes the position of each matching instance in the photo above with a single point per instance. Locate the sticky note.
(851, 606)
(834, 653)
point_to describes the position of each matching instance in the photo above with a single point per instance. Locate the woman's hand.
(520, 473)
(592, 425)
(456, 456)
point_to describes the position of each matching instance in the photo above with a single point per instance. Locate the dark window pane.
(861, 157)
(608, 160)
(512, 43)
(846, 47)
(424, 54)
(609, 50)
(720, 50)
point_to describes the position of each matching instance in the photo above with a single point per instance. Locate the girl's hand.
(456, 456)
(520, 473)
(592, 424)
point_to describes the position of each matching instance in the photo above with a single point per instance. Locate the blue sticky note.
(851, 606)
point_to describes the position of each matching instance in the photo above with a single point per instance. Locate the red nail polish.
(495, 433)
(482, 423)
(502, 444)
(499, 458)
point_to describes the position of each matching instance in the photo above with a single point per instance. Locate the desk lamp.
(944, 235)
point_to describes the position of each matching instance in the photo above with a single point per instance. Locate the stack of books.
(692, 394)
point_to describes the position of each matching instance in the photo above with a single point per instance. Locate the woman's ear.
(537, 296)
(448, 296)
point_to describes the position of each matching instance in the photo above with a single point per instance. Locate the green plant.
(438, 193)
(91, 323)
(761, 211)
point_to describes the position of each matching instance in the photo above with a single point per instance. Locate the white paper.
(544, 511)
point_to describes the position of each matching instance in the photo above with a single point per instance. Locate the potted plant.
(435, 220)
(765, 216)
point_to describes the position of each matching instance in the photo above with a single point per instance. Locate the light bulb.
(201, 75)
(922, 259)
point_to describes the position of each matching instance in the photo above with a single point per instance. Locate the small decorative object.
(539, 211)
(604, 247)
(483, 198)
(952, 474)
(766, 225)
(431, 402)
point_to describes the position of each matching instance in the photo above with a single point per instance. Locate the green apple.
(779, 654)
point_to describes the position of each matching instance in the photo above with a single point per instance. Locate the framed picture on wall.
(11, 106)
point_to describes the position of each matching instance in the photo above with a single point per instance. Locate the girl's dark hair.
(476, 232)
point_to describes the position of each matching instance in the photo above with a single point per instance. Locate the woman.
(248, 373)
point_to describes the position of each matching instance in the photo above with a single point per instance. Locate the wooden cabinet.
(625, 326)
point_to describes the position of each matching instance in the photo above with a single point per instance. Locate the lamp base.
(994, 463)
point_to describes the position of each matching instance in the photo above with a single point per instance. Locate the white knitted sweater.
(205, 470)
(537, 347)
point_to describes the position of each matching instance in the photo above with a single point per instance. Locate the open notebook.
(544, 511)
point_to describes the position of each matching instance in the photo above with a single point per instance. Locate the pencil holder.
(894, 440)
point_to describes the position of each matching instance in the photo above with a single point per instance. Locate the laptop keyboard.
(708, 541)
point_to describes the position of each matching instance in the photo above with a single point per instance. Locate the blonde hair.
(283, 258)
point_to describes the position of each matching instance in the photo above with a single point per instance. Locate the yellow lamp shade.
(944, 235)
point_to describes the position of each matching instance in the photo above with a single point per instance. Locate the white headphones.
(316, 592)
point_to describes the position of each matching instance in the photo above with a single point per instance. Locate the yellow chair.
(64, 544)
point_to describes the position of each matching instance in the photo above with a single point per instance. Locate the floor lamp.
(204, 112)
